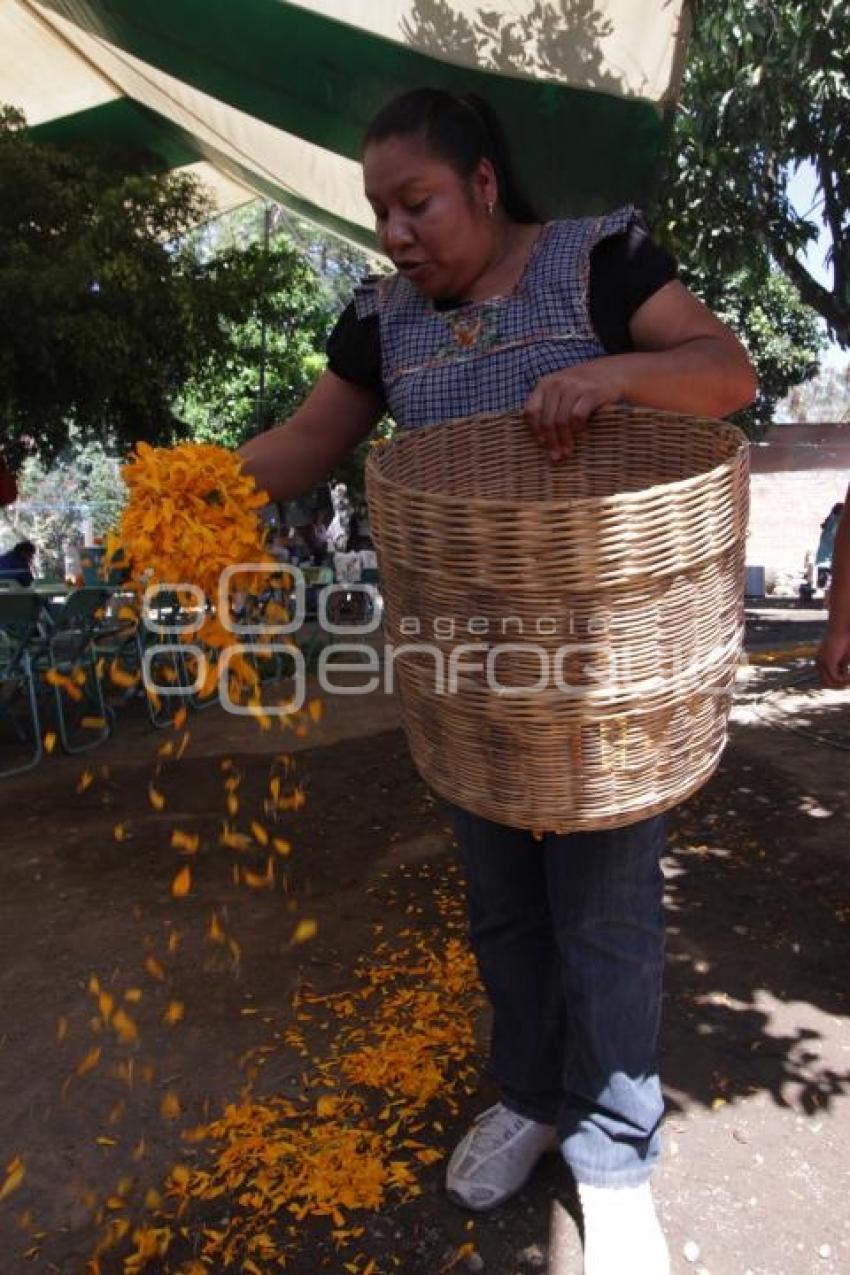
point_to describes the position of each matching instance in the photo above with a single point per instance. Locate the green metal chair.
(170, 668)
(97, 569)
(116, 645)
(20, 612)
(312, 639)
(264, 612)
(70, 648)
(189, 673)
(356, 606)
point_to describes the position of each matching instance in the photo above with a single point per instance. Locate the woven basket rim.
(373, 466)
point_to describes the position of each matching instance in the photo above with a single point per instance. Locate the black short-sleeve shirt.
(625, 271)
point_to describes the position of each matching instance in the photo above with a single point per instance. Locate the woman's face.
(430, 222)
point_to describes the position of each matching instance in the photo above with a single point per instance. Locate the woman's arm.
(685, 360)
(833, 658)
(293, 457)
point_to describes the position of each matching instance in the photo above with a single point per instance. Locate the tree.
(314, 274)
(340, 265)
(271, 358)
(766, 89)
(81, 490)
(783, 336)
(825, 398)
(106, 308)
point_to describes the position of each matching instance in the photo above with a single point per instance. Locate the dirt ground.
(756, 1039)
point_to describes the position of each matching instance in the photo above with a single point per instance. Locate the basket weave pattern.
(605, 590)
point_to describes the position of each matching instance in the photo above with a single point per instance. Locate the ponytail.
(463, 131)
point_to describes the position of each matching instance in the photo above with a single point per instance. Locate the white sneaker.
(622, 1234)
(495, 1158)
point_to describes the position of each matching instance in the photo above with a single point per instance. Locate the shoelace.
(496, 1127)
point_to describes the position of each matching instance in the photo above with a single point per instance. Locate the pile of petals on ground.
(398, 1049)
(364, 1125)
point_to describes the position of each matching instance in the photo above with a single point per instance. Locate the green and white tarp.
(271, 97)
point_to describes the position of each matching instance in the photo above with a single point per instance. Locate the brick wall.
(797, 475)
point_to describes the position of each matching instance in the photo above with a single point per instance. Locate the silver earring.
(491, 207)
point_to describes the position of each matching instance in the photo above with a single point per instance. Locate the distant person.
(279, 546)
(833, 658)
(315, 536)
(339, 531)
(823, 554)
(17, 563)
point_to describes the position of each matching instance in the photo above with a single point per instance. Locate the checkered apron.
(488, 356)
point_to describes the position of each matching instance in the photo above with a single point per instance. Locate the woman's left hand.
(561, 404)
(833, 661)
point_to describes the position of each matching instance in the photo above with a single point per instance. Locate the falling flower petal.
(120, 677)
(170, 1106)
(14, 1177)
(156, 798)
(188, 842)
(90, 1061)
(182, 883)
(62, 682)
(304, 930)
(125, 1028)
(215, 932)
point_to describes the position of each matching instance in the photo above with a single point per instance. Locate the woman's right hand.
(561, 404)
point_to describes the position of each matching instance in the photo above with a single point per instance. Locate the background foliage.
(276, 353)
(766, 89)
(105, 306)
(81, 486)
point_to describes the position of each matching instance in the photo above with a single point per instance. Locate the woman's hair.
(461, 130)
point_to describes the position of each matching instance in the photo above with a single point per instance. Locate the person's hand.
(833, 661)
(560, 405)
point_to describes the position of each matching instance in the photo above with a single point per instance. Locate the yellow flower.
(193, 512)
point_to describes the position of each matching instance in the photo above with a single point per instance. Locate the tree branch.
(828, 303)
(835, 220)
(813, 293)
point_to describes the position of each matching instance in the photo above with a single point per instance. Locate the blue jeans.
(569, 937)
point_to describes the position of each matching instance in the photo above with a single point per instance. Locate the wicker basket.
(564, 637)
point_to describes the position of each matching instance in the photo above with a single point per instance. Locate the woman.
(833, 657)
(491, 311)
(16, 565)
(826, 547)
